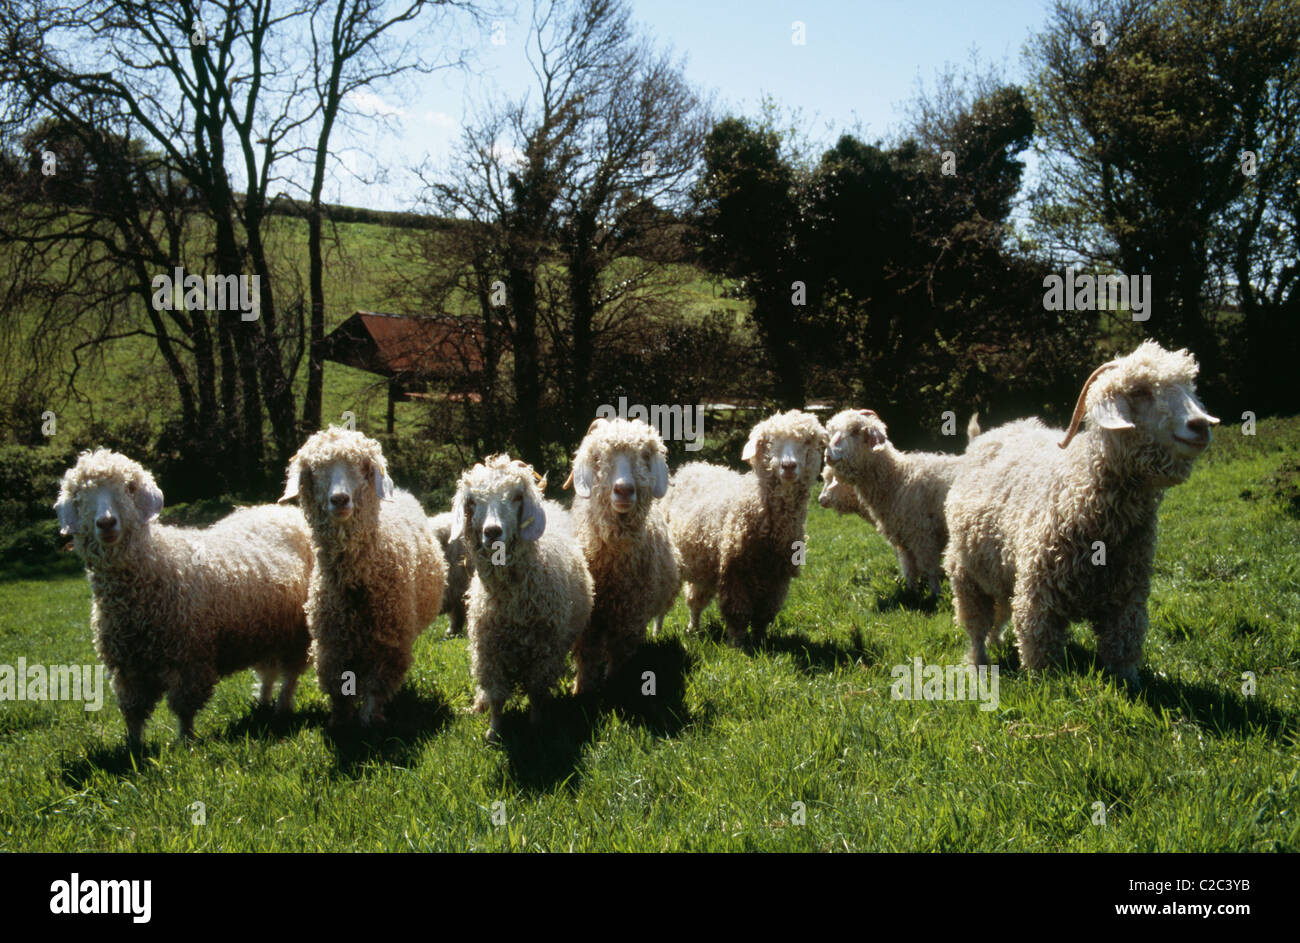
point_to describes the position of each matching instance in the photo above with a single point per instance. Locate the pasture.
(794, 746)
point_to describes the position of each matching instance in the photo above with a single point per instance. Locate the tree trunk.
(582, 288)
(263, 334)
(523, 299)
(312, 399)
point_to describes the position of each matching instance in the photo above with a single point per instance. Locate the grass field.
(718, 758)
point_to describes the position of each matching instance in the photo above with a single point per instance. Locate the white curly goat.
(739, 536)
(456, 556)
(379, 573)
(902, 493)
(620, 470)
(530, 595)
(175, 609)
(1046, 529)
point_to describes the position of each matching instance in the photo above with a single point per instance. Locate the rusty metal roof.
(393, 345)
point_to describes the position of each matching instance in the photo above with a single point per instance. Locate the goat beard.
(1162, 468)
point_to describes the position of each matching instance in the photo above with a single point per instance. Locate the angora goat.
(902, 492)
(379, 571)
(621, 468)
(174, 608)
(530, 595)
(740, 535)
(1032, 515)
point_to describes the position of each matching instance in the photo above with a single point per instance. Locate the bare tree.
(354, 47)
(225, 96)
(562, 186)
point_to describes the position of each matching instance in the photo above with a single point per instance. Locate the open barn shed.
(412, 352)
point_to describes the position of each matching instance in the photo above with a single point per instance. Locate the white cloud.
(439, 119)
(511, 157)
(368, 102)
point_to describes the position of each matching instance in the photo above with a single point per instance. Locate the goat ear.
(148, 498)
(750, 453)
(383, 484)
(875, 438)
(66, 508)
(291, 485)
(457, 516)
(532, 516)
(1113, 413)
(584, 476)
(659, 473)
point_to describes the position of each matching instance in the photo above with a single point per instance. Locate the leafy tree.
(1142, 138)
(746, 228)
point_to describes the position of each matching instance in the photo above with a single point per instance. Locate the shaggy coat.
(620, 470)
(902, 492)
(841, 498)
(455, 555)
(740, 536)
(379, 574)
(175, 609)
(1048, 531)
(530, 595)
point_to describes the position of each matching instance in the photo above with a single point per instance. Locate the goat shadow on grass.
(900, 596)
(261, 722)
(1220, 710)
(410, 718)
(117, 761)
(548, 755)
(811, 656)
(819, 656)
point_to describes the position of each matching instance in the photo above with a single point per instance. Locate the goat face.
(1149, 408)
(854, 433)
(787, 449)
(497, 505)
(338, 487)
(624, 463)
(337, 475)
(833, 492)
(105, 498)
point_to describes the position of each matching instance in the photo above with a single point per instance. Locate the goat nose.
(492, 533)
(1200, 424)
(106, 521)
(339, 500)
(789, 463)
(624, 489)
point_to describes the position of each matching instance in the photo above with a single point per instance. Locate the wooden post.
(392, 398)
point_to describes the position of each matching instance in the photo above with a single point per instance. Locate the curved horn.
(594, 423)
(1078, 406)
(568, 482)
(869, 412)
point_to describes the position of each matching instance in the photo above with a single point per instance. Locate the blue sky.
(859, 65)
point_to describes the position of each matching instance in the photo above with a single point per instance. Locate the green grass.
(716, 760)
